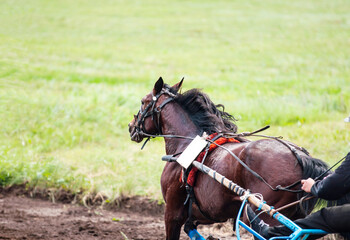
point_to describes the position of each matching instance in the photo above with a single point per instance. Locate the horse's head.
(147, 120)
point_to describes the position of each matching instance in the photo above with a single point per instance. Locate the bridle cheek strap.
(157, 111)
(153, 111)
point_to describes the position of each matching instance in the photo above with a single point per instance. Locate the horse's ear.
(178, 85)
(158, 86)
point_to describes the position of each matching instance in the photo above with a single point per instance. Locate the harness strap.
(155, 111)
(189, 225)
(215, 140)
(297, 156)
(190, 200)
(189, 176)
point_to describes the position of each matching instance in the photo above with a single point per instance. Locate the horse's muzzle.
(135, 135)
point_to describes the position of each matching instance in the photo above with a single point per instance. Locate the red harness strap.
(220, 141)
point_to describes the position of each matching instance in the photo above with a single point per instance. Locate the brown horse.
(166, 112)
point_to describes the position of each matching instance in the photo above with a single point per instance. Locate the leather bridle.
(152, 111)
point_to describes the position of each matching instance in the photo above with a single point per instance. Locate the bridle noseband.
(153, 111)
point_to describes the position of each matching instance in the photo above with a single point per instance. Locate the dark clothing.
(331, 219)
(335, 185)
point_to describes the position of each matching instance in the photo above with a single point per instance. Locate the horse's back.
(267, 157)
(273, 160)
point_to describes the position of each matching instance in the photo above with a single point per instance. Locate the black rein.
(153, 111)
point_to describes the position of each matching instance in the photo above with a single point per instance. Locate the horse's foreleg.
(174, 194)
(175, 217)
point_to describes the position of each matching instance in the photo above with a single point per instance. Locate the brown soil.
(27, 214)
(25, 217)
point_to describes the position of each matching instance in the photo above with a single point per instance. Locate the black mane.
(204, 113)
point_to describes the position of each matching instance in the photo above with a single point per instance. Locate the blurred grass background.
(72, 74)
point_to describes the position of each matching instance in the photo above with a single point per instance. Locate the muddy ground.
(28, 215)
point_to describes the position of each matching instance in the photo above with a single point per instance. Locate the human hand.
(307, 184)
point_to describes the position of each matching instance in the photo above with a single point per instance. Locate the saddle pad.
(220, 141)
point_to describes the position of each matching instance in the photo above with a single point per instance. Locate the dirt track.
(23, 217)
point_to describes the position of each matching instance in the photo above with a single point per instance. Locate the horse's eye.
(142, 102)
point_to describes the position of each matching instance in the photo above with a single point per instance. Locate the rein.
(278, 188)
(151, 110)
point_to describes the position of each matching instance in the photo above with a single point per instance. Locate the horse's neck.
(175, 121)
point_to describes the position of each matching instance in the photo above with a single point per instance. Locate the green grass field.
(72, 74)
